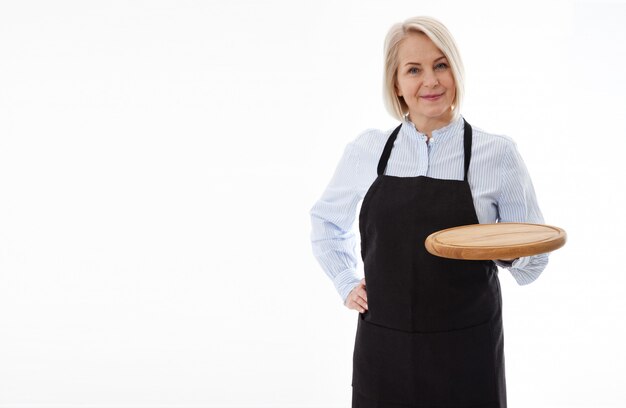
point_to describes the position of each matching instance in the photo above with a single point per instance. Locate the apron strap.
(384, 158)
(467, 148)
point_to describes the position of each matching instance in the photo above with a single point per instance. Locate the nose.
(430, 79)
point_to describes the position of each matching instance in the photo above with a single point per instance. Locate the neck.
(426, 125)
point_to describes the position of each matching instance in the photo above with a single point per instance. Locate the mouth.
(432, 97)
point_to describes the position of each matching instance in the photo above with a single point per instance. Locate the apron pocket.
(455, 368)
(382, 369)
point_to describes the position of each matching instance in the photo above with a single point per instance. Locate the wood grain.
(504, 240)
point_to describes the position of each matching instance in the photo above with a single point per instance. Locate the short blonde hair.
(442, 38)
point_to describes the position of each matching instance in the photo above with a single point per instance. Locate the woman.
(430, 329)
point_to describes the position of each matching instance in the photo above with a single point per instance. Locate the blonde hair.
(442, 38)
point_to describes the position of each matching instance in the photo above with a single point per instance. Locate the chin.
(435, 113)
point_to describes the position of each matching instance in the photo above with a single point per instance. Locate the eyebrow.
(417, 63)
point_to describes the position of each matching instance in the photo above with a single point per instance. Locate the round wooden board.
(503, 240)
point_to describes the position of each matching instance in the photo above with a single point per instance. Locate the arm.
(332, 217)
(517, 203)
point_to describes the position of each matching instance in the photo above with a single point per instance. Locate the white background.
(158, 160)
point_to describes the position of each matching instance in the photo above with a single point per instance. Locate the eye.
(413, 70)
(441, 66)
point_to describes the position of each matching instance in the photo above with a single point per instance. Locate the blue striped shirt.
(501, 188)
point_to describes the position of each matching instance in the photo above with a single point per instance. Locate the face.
(423, 71)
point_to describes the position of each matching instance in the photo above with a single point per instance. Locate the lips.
(432, 97)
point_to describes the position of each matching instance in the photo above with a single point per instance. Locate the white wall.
(158, 160)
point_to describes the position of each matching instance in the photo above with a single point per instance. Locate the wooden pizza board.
(503, 240)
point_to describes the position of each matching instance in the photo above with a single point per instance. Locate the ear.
(397, 88)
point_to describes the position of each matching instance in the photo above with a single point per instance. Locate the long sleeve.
(517, 203)
(500, 183)
(332, 218)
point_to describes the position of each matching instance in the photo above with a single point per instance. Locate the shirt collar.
(455, 127)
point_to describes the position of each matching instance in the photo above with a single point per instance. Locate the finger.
(360, 294)
(362, 303)
(356, 306)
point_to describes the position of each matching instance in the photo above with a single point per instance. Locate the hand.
(357, 298)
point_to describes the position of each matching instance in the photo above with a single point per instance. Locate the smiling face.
(425, 81)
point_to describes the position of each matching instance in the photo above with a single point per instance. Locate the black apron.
(432, 336)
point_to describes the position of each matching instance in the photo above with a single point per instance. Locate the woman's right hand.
(357, 298)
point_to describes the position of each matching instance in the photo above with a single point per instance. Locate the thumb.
(363, 281)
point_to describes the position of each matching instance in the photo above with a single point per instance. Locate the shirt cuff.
(344, 283)
(517, 263)
(522, 274)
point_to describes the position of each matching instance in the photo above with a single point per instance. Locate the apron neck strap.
(467, 149)
(384, 158)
